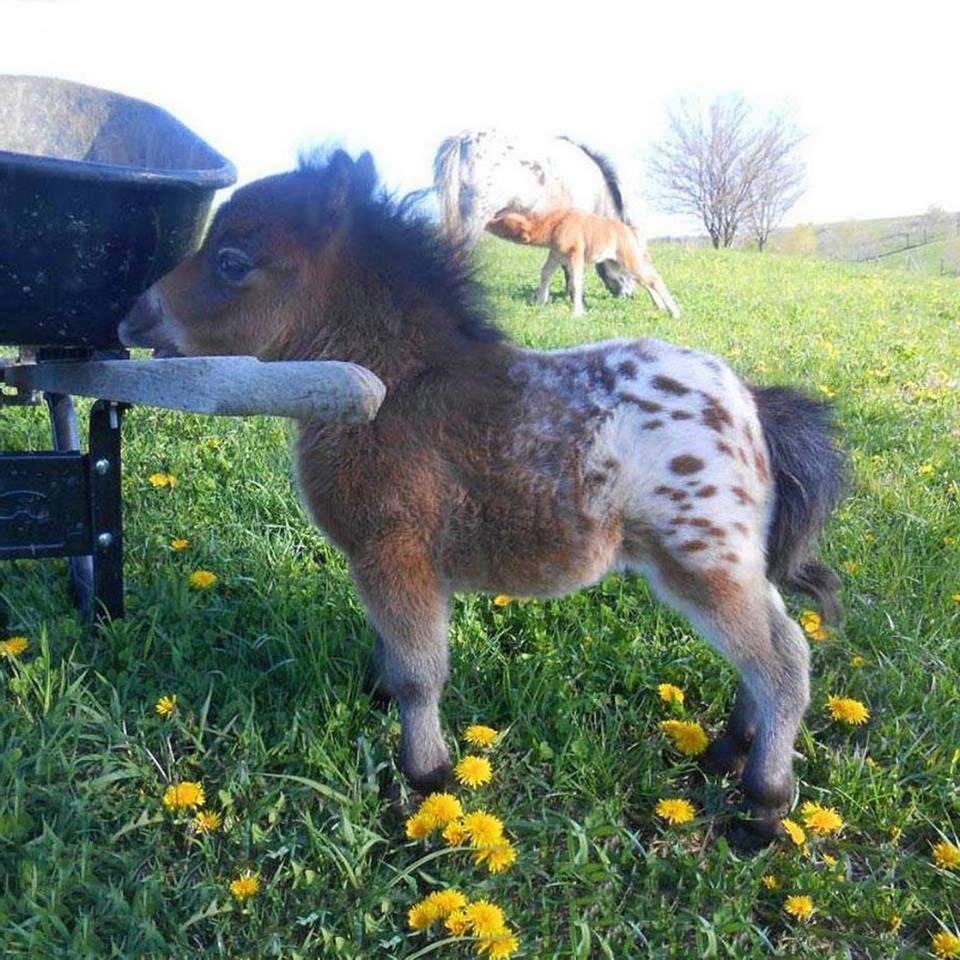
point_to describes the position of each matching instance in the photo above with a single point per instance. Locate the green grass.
(268, 667)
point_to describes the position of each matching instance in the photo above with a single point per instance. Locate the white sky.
(875, 84)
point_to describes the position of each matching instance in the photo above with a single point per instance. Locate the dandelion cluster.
(812, 624)
(483, 835)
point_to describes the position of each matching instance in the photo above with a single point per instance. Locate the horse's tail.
(809, 471)
(448, 184)
(610, 177)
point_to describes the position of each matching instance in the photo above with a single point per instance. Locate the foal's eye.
(233, 265)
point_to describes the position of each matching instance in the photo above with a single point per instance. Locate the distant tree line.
(738, 172)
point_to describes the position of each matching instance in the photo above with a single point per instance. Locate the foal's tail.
(809, 470)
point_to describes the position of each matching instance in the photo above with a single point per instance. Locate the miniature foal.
(505, 470)
(573, 238)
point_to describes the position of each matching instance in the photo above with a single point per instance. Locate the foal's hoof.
(751, 835)
(726, 756)
(430, 781)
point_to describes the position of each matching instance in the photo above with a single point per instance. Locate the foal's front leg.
(410, 614)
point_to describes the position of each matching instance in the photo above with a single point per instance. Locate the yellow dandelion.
(798, 906)
(500, 946)
(794, 831)
(458, 923)
(499, 857)
(955, 598)
(826, 391)
(442, 903)
(13, 646)
(483, 829)
(894, 833)
(244, 886)
(455, 833)
(925, 469)
(442, 808)
(946, 855)
(420, 916)
(206, 821)
(689, 738)
(178, 544)
(821, 821)
(486, 919)
(857, 661)
(502, 600)
(473, 771)
(895, 922)
(674, 811)
(202, 579)
(160, 480)
(770, 882)
(184, 795)
(166, 706)
(810, 621)
(851, 567)
(420, 826)
(871, 763)
(945, 944)
(669, 693)
(820, 634)
(949, 541)
(829, 860)
(847, 710)
(480, 736)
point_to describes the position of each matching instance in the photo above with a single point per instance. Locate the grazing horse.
(494, 468)
(573, 238)
(480, 173)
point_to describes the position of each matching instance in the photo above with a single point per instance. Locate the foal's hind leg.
(745, 620)
(410, 616)
(728, 753)
(546, 275)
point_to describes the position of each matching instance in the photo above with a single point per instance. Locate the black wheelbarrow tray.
(100, 196)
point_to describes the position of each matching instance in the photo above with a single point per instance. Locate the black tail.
(809, 471)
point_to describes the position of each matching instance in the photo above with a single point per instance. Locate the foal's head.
(312, 263)
(511, 226)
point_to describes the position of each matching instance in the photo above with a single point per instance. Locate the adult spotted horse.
(533, 473)
(478, 174)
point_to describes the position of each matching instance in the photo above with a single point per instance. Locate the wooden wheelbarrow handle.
(224, 386)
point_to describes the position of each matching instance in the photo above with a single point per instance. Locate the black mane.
(404, 246)
(610, 176)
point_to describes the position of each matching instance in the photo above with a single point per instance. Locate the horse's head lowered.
(257, 275)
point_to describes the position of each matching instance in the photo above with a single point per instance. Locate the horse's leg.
(410, 615)
(745, 620)
(576, 271)
(728, 753)
(546, 275)
(618, 282)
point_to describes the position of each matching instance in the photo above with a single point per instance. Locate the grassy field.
(267, 667)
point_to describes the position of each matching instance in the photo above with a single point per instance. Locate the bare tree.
(723, 166)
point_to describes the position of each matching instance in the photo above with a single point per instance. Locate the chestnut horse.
(505, 470)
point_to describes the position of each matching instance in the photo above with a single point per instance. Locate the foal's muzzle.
(148, 324)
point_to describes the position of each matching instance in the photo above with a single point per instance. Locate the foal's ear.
(364, 176)
(337, 183)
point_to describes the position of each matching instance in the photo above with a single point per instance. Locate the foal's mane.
(609, 173)
(411, 254)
